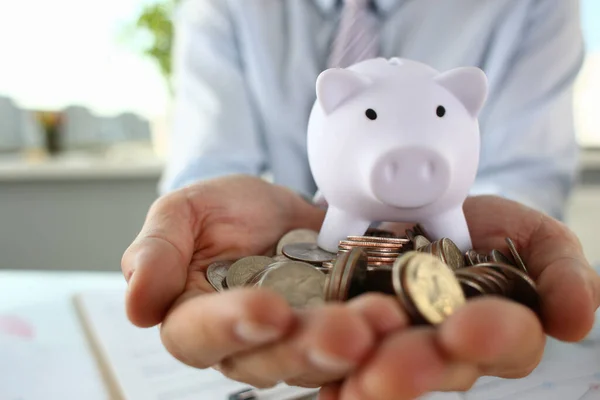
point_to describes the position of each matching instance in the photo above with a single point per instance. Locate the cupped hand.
(488, 336)
(251, 335)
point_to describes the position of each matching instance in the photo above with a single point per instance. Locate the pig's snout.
(410, 177)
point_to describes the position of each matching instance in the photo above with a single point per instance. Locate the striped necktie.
(358, 35)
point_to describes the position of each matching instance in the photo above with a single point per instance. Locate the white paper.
(567, 372)
(146, 371)
(45, 356)
(143, 368)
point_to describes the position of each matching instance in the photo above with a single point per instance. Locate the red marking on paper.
(15, 326)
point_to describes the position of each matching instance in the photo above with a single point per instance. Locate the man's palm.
(223, 219)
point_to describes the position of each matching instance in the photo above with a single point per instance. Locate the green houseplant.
(155, 20)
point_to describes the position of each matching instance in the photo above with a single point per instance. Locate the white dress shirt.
(245, 73)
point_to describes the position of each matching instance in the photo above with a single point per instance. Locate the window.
(71, 52)
(587, 88)
(64, 53)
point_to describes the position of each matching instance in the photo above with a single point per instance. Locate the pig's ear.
(336, 85)
(468, 84)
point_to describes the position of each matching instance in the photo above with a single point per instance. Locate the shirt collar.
(383, 5)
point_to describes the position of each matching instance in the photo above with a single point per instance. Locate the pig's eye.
(441, 111)
(371, 114)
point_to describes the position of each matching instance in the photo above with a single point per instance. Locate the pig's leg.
(452, 225)
(319, 200)
(338, 225)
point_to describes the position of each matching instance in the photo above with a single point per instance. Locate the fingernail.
(254, 333)
(129, 275)
(129, 280)
(328, 362)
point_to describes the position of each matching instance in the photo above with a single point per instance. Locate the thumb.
(155, 264)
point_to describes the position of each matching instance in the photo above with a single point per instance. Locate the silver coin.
(296, 236)
(245, 268)
(216, 273)
(307, 252)
(280, 257)
(256, 277)
(420, 242)
(301, 284)
(517, 257)
(498, 257)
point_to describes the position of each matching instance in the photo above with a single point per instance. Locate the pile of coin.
(430, 279)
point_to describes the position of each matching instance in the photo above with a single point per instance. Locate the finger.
(407, 365)
(568, 286)
(155, 264)
(329, 342)
(568, 299)
(204, 329)
(330, 391)
(383, 313)
(503, 338)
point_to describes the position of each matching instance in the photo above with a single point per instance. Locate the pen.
(276, 393)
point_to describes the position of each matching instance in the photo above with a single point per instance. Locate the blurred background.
(84, 112)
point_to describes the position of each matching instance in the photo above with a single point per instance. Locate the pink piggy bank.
(395, 140)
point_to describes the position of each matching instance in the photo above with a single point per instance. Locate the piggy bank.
(395, 140)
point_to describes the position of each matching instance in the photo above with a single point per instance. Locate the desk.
(43, 352)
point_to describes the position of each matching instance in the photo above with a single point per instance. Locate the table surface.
(41, 340)
(37, 288)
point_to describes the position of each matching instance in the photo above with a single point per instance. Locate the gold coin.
(335, 277)
(451, 254)
(354, 276)
(433, 288)
(399, 284)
